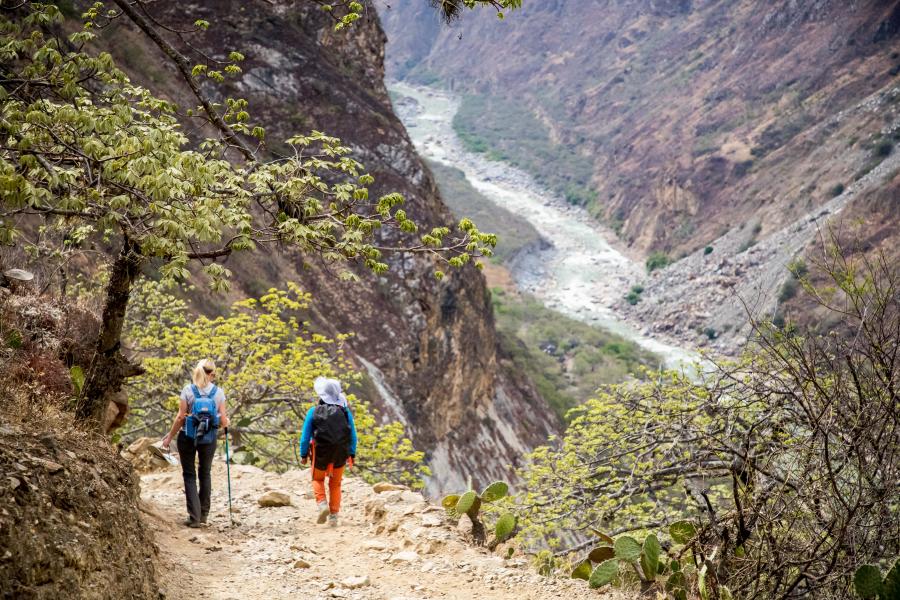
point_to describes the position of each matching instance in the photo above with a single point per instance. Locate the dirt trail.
(396, 545)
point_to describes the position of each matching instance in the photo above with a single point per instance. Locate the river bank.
(582, 272)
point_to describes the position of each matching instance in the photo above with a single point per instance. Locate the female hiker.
(201, 411)
(329, 434)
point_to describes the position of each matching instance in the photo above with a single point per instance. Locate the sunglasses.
(209, 371)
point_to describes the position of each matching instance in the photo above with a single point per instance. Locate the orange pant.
(334, 487)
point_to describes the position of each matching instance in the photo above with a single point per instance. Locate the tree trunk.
(109, 367)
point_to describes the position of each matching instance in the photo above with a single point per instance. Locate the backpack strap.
(196, 391)
(212, 392)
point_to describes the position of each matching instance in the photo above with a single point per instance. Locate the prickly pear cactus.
(867, 581)
(495, 491)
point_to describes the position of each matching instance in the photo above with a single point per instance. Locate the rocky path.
(390, 545)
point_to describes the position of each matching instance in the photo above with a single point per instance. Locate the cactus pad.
(650, 556)
(582, 571)
(505, 526)
(466, 502)
(449, 502)
(682, 531)
(867, 581)
(601, 553)
(627, 548)
(495, 491)
(604, 573)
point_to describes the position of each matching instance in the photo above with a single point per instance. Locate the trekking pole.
(228, 470)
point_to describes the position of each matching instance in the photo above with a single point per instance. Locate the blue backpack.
(203, 420)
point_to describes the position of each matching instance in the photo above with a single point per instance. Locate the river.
(581, 274)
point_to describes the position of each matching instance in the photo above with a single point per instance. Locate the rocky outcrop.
(428, 346)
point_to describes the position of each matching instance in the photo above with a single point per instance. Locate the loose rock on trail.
(389, 546)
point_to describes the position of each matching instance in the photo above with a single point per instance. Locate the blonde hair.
(200, 374)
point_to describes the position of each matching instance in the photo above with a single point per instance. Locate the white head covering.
(329, 391)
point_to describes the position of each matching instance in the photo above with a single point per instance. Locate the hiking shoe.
(203, 519)
(192, 523)
(323, 512)
(332, 520)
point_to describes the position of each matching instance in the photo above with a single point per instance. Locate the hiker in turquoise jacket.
(329, 435)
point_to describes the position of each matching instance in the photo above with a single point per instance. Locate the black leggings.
(197, 504)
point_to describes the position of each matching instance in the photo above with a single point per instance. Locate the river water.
(581, 275)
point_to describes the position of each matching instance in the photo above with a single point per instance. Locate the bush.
(788, 290)
(884, 148)
(836, 190)
(658, 260)
(793, 443)
(708, 250)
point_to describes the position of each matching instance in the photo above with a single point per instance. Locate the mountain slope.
(704, 129)
(696, 115)
(429, 346)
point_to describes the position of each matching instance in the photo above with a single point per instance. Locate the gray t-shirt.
(187, 394)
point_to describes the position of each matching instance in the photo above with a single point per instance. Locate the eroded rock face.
(429, 346)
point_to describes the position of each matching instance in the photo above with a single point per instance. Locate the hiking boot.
(192, 523)
(332, 520)
(323, 512)
(203, 520)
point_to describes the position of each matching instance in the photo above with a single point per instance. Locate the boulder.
(273, 498)
(301, 564)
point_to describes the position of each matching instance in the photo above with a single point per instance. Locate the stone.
(301, 564)
(407, 556)
(273, 498)
(374, 545)
(51, 466)
(385, 486)
(411, 497)
(356, 581)
(432, 520)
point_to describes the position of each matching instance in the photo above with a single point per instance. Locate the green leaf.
(627, 548)
(505, 526)
(14, 339)
(77, 377)
(650, 556)
(867, 581)
(244, 422)
(601, 553)
(604, 573)
(495, 491)
(676, 581)
(466, 502)
(891, 584)
(682, 531)
(582, 571)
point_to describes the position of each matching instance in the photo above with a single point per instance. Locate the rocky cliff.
(429, 346)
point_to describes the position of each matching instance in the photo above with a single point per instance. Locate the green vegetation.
(676, 447)
(100, 165)
(658, 260)
(567, 359)
(268, 380)
(708, 250)
(471, 502)
(634, 294)
(836, 190)
(869, 584)
(505, 130)
(463, 199)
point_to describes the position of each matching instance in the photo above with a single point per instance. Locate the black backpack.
(331, 432)
(331, 426)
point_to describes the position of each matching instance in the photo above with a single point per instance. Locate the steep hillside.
(694, 116)
(428, 345)
(723, 133)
